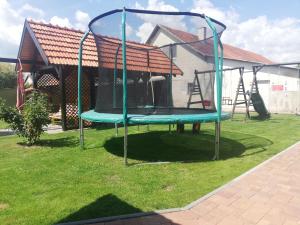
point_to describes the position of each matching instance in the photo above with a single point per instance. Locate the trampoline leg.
(116, 130)
(148, 127)
(217, 140)
(81, 136)
(125, 144)
(138, 127)
(169, 128)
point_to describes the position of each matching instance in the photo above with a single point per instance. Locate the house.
(50, 54)
(199, 55)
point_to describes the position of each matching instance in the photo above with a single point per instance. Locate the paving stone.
(269, 195)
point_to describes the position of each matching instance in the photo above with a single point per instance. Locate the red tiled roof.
(136, 59)
(205, 48)
(60, 46)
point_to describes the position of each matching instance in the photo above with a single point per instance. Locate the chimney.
(202, 33)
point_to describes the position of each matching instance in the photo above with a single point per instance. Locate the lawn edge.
(187, 207)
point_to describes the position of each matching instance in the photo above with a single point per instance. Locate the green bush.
(30, 121)
(11, 116)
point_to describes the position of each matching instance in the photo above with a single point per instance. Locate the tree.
(8, 75)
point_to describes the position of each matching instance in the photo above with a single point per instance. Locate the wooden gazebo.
(50, 54)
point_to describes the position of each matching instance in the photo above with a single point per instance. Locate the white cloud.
(129, 30)
(82, 19)
(11, 22)
(144, 31)
(206, 7)
(156, 5)
(33, 11)
(151, 20)
(62, 22)
(277, 40)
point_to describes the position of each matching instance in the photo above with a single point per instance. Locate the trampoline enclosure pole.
(217, 140)
(219, 68)
(218, 65)
(221, 71)
(171, 74)
(116, 130)
(217, 151)
(79, 78)
(81, 133)
(124, 83)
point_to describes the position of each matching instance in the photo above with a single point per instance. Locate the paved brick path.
(267, 195)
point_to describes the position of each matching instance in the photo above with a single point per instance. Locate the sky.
(268, 27)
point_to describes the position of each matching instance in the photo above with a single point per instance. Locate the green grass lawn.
(56, 181)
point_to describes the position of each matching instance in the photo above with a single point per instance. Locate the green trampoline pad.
(93, 116)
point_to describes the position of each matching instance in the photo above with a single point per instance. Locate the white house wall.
(283, 90)
(276, 101)
(188, 63)
(270, 81)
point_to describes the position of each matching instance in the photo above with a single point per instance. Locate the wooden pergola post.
(62, 97)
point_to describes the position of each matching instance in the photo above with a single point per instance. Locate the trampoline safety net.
(163, 50)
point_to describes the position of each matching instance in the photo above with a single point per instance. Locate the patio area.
(269, 194)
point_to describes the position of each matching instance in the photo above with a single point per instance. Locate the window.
(190, 86)
(263, 81)
(174, 51)
(166, 50)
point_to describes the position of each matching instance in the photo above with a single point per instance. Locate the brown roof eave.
(21, 44)
(35, 41)
(153, 33)
(241, 60)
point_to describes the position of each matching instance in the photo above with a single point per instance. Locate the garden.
(54, 181)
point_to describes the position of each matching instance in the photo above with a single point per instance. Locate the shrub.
(11, 116)
(30, 121)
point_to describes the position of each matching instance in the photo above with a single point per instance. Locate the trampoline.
(174, 117)
(144, 74)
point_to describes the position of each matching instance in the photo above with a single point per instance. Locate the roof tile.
(206, 48)
(61, 47)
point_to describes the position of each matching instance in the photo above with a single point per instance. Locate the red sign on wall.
(277, 87)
